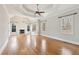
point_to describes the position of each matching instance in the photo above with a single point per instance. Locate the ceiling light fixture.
(38, 12)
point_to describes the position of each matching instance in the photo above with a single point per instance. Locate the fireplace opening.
(22, 31)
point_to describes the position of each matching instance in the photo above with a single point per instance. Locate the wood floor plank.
(38, 45)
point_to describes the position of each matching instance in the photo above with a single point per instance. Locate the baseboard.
(73, 42)
(3, 47)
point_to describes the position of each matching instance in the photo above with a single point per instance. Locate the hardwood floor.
(38, 45)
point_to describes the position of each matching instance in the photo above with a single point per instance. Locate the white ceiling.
(19, 19)
(29, 9)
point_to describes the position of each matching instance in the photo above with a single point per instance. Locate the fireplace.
(22, 31)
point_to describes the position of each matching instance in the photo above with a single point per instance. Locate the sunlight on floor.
(28, 41)
(33, 41)
(43, 46)
(14, 43)
(65, 51)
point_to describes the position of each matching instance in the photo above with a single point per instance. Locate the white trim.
(77, 43)
(3, 47)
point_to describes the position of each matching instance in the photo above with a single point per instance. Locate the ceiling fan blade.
(42, 12)
(39, 12)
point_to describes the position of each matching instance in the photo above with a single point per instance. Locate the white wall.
(4, 34)
(36, 31)
(53, 29)
(51, 25)
(21, 26)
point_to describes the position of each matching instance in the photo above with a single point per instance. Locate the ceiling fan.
(38, 12)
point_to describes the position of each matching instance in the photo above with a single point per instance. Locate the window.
(28, 28)
(13, 28)
(34, 27)
(43, 26)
